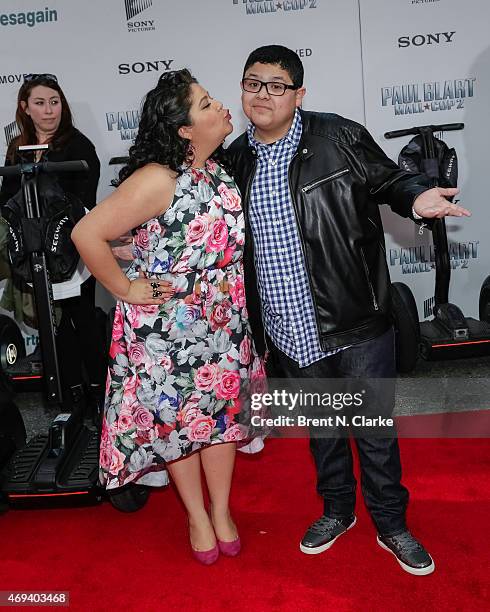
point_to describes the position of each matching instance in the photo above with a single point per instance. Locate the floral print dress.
(178, 372)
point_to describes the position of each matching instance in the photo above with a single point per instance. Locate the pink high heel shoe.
(206, 557)
(230, 549)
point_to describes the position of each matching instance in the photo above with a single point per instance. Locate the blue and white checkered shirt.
(287, 306)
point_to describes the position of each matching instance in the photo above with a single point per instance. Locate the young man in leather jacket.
(318, 287)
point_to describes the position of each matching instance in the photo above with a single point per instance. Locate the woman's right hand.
(148, 291)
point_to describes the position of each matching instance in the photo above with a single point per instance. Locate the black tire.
(129, 498)
(407, 330)
(12, 345)
(484, 305)
(12, 428)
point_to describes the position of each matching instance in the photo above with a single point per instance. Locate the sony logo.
(138, 67)
(426, 39)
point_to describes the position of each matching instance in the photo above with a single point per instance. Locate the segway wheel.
(12, 432)
(485, 301)
(129, 498)
(12, 345)
(407, 330)
(12, 428)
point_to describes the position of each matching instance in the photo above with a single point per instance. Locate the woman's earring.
(190, 153)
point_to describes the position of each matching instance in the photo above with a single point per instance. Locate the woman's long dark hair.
(165, 109)
(28, 134)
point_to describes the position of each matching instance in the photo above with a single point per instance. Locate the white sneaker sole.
(319, 549)
(415, 571)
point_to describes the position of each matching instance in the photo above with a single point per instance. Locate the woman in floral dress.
(181, 357)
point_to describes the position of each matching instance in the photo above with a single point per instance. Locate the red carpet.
(112, 561)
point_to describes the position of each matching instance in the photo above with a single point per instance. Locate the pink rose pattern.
(237, 292)
(198, 229)
(218, 236)
(230, 198)
(179, 373)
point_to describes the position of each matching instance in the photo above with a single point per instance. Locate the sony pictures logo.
(429, 304)
(256, 7)
(419, 40)
(146, 66)
(416, 98)
(133, 9)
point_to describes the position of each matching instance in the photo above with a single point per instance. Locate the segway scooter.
(63, 463)
(449, 334)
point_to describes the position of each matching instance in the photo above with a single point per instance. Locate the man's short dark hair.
(282, 56)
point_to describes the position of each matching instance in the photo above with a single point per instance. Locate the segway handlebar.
(444, 127)
(50, 167)
(114, 161)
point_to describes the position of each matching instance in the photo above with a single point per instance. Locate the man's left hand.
(433, 204)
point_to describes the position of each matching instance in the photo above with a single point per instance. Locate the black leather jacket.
(337, 179)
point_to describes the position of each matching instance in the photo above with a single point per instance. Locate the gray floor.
(445, 386)
(434, 386)
(37, 414)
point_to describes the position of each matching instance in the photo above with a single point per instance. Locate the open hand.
(433, 204)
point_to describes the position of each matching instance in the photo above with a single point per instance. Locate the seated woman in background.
(43, 116)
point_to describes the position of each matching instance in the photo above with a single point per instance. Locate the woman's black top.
(81, 184)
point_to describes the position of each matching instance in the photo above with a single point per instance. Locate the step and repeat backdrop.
(428, 62)
(389, 64)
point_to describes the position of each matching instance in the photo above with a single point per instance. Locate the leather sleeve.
(84, 185)
(388, 183)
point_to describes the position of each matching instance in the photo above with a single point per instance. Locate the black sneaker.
(409, 553)
(323, 533)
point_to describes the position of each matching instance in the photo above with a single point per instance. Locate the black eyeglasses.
(46, 75)
(273, 88)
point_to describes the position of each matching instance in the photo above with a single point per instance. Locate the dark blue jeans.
(386, 498)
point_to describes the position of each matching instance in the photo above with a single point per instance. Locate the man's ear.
(300, 94)
(185, 131)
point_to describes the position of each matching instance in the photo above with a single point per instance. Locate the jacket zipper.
(302, 241)
(247, 199)
(381, 246)
(331, 177)
(366, 270)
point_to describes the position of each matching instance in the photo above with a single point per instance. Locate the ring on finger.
(154, 285)
(156, 293)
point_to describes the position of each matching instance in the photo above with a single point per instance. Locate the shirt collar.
(293, 136)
